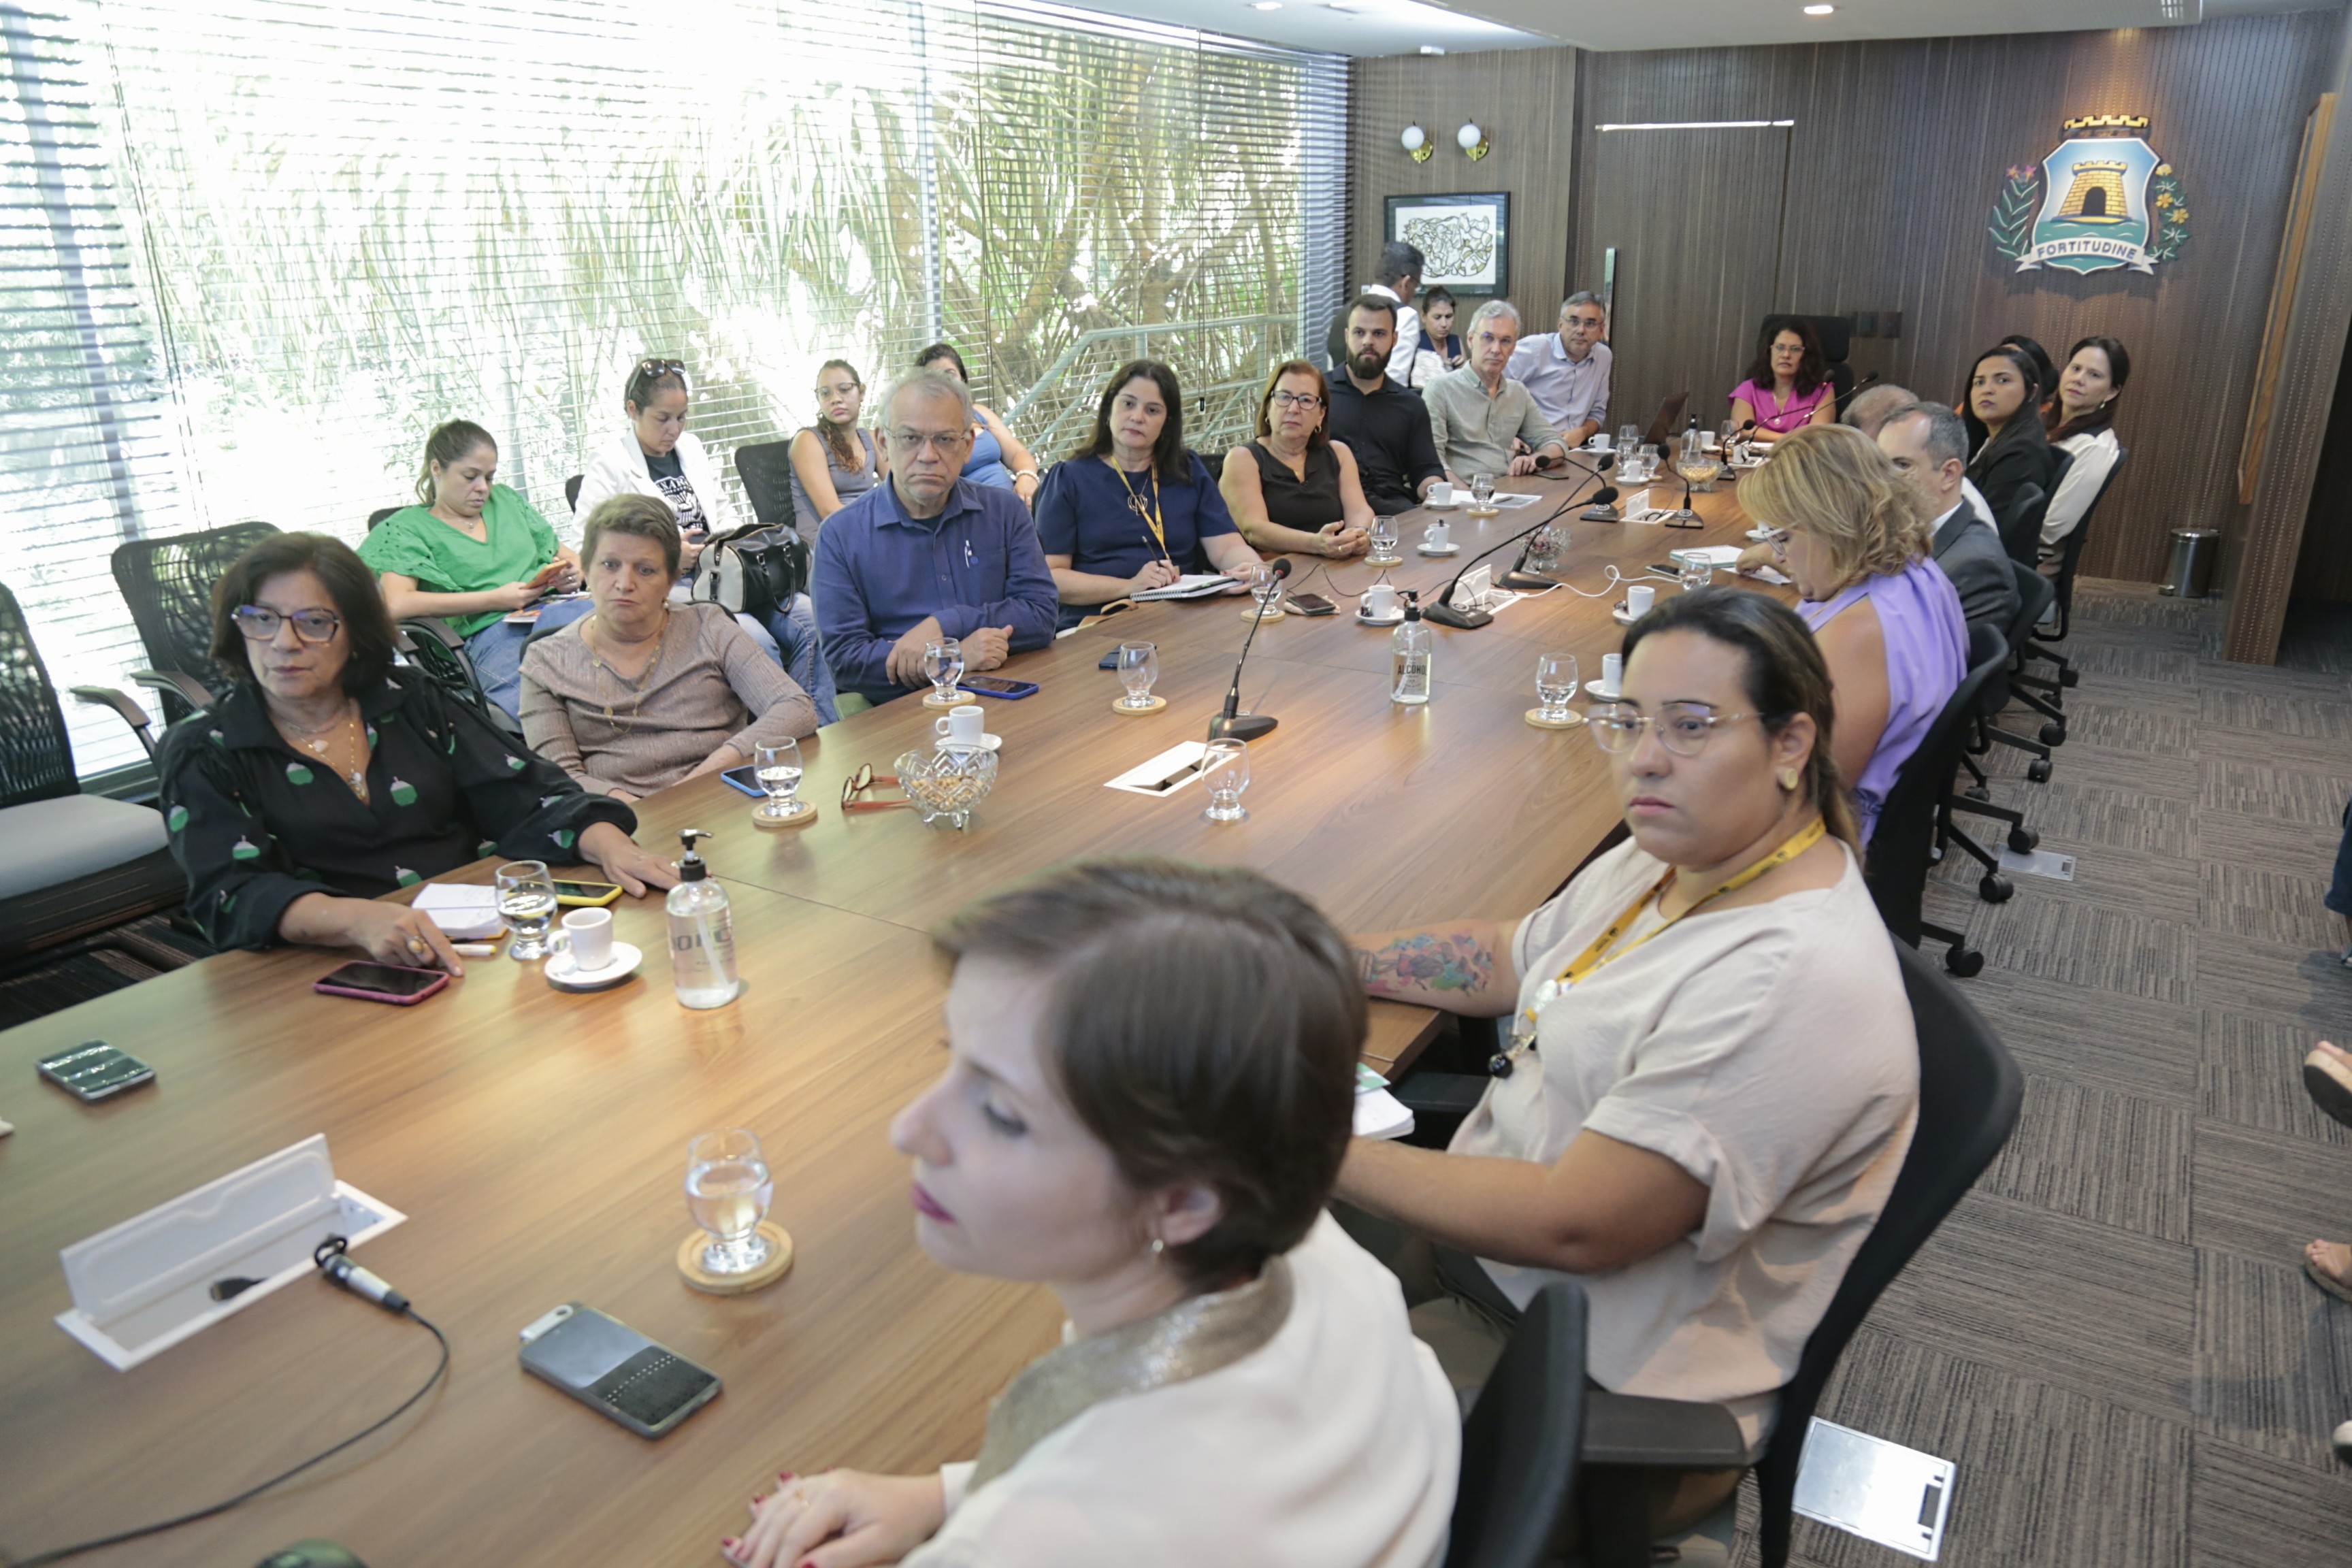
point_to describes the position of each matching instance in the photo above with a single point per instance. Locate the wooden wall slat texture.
(2323, 567)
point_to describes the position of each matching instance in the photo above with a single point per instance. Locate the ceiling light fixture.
(1430, 49)
(1266, 5)
(1819, 10)
(1700, 125)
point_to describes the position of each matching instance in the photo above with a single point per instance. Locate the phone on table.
(396, 983)
(998, 686)
(95, 1070)
(585, 895)
(1309, 604)
(747, 779)
(615, 1371)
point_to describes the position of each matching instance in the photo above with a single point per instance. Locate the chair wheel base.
(1966, 963)
(1978, 792)
(2070, 678)
(2023, 839)
(2038, 770)
(1994, 889)
(2054, 733)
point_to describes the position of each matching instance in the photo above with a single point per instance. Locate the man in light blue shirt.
(1567, 372)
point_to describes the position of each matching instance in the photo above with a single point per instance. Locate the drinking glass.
(1649, 460)
(1384, 544)
(778, 769)
(1544, 547)
(1482, 491)
(1138, 668)
(1266, 586)
(943, 663)
(728, 1190)
(1697, 573)
(1225, 768)
(1628, 438)
(527, 901)
(1555, 685)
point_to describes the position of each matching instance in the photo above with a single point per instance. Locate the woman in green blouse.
(325, 776)
(473, 552)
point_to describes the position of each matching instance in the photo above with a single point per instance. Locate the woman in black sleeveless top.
(1294, 489)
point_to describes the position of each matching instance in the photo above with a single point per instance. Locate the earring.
(1789, 778)
(1158, 1246)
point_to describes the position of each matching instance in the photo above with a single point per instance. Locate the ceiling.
(1407, 26)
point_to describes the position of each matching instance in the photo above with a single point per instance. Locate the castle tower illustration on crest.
(2096, 194)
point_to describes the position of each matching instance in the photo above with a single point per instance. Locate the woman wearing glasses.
(1294, 490)
(1708, 1076)
(1131, 508)
(834, 461)
(325, 776)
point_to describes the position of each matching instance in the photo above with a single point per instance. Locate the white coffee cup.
(1600, 442)
(1639, 597)
(1613, 668)
(1438, 537)
(963, 727)
(1706, 439)
(587, 936)
(1440, 495)
(1380, 601)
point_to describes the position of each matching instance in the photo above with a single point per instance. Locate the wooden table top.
(537, 1140)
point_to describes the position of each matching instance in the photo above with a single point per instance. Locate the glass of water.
(1138, 668)
(1628, 438)
(527, 902)
(1649, 460)
(728, 1190)
(943, 665)
(1267, 588)
(1697, 571)
(1482, 491)
(1384, 544)
(778, 769)
(1225, 768)
(1556, 684)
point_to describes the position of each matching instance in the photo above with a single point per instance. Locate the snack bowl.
(948, 780)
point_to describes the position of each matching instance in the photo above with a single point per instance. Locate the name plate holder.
(143, 1286)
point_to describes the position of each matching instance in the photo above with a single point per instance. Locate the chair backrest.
(2034, 592)
(1897, 863)
(2021, 527)
(2071, 550)
(433, 645)
(571, 492)
(168, 584)
(36, 754)
(1521, 1444)
(1969, 1091)
(766, 469)
(380, 513)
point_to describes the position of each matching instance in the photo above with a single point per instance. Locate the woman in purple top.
(1788, 386)
(1887, 619)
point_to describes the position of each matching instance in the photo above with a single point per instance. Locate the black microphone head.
(1281, 567)
(1608, 461)
(1604, 495)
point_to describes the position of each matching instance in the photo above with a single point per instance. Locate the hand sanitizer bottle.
(1409, 653)
(701, 935)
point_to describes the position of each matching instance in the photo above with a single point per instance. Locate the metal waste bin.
(2190, 576)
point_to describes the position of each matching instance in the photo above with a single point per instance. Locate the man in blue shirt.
(1567, 372)
(928, 555)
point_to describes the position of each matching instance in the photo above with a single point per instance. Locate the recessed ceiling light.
(1266, 5)
(1819, 10)
(1430, 49)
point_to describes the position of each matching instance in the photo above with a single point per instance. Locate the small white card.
(464, 912)
(1379, 1113)
(1637, 504)
(1505, 500)
(1766, 575)
(1164, 774)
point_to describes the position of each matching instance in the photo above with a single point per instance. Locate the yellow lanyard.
(1148, 510)
(1523, 1027)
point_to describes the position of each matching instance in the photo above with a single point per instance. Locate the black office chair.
(766, 469)
(1902, 847)
(2020, 524)
(380, 513)
(2035, 594)
(2070, 553)
(571, 492)
(168, 584)
(1969, 1090)
(433, 645)
(1521, 1442)
(1985, 642)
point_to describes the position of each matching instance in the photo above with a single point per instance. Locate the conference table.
(536, 1140)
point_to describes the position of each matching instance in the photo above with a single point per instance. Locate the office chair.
(2019, 526)
(1915, 815)
(168, 584)
(2035, 594)
(766, 469)
(571, 492)
(433, 645)
(2070, 552)
(380, 513)
(1836, 335)
(1985, 642)
(1521, 1442)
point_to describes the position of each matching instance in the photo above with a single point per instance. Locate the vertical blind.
(341, 225)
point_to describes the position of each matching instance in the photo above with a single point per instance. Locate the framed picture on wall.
(1465, 239)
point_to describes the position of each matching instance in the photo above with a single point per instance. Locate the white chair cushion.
(50, 842)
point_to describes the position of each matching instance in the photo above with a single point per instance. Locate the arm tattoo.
(1425, 961)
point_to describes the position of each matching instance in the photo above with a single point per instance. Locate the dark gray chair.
(766, 469)
(1521, 1442)
(168, 584)
(1916, 816)
(2041, 648)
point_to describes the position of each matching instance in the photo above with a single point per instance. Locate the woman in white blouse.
(1711, 1077)
(2082, 422)
(1150, 1087)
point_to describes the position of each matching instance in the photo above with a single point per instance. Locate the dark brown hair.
(1170, 460)
(447, 445)
(1322, 436)
(1812, 369)
(640, 517)
(937, 352)
(367, 629)
(2104, 415)
(1785, 677)
(838, 438)
(1203, 1023)
(648, 377)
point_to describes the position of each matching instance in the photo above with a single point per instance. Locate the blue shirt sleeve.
(858, 656)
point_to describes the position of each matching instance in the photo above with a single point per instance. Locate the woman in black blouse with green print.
(325, 776)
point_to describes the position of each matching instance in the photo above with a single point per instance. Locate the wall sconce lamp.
(1472, 141)
(1416, 143)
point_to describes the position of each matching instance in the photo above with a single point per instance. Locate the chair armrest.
(1673, 1434)
(1438, 1100)
(130, 711)
(185, 688)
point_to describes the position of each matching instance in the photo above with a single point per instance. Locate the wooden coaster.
(956, 698)
(1574, 720)
(760, 818)
(1384, 562)
(1156, 705)
(779, 1263)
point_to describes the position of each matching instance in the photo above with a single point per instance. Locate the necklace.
(1148, 510)
(643, 674)
(333, 735)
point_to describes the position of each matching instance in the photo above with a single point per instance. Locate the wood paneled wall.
(2323, 568)
(1525, 98)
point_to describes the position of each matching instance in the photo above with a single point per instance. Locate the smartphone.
(1108, 660)
(997, 686)
(615, 1371)
(1309, 604)
(747, 779)
(95, 1070)
(382, 983)
(589, 895)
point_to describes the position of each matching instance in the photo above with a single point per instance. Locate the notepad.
(464, 912)
(1192, 585)
(1379, 1113)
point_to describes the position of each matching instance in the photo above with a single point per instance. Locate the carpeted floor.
(2112, 1337)
(137, 950)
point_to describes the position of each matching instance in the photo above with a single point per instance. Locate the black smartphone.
(997, 686)
(747, 779)
(390, 982)
(95, 1070)
(1309, 604)
(1108, 660)
(615, 1371)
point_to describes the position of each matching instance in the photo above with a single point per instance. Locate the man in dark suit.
(1929, 447)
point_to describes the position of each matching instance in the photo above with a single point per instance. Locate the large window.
(347, 223)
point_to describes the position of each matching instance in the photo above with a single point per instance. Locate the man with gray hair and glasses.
(1476, 413)
(1929, 447)
(1567, 372)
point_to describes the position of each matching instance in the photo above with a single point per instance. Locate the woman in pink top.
(1788, 387)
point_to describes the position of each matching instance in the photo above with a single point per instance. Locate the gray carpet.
(2112, 1337)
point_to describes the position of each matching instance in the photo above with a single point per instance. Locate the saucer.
(564, 975)
(1439, 550)
(1622, 616)
(987, 743)
(1396, 620)
(1593, 689)
(1456, 504)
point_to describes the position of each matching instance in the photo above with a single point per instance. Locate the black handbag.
(754, 570)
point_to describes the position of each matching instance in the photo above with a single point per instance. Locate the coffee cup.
(1612, 666)
(1639, 597)
(587, 936)
(963, 727)
(1706, 439)
(1600, 442)
(1438, 537)
(1380, 601)
(1440, 495)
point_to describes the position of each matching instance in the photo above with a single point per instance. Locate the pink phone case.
(440, 982)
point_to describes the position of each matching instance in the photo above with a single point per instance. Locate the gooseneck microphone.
(1443, 612)
(1233, 723)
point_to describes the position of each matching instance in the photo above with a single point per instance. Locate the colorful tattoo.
(1424, 961)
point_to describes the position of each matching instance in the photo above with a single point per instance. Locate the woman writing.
(1787, 385)
(1131, 508)
(998, 457)
(1294, 488)
(2008, 450)
(1888, 620)
(325, 776)
(472, 551)
(2083, 423)
(1438, 333)
(1148, 1089)
(645, 693)
(834, 461)
(1712, 1076)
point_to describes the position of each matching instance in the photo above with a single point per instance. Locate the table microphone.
(1443, 611)
(1233, 723)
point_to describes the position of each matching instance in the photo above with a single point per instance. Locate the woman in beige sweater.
(646, 693)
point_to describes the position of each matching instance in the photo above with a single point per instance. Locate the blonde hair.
(1833, 483)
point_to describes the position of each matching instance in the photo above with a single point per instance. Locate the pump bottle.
(702, 933)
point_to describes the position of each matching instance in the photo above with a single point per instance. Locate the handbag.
(753, 570)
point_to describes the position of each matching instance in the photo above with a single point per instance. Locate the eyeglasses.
(864, 779)
(1297, 400)
(262, 626)
(939, 441)
(661, 367)
(1684, 728)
